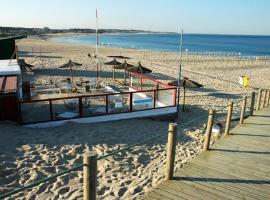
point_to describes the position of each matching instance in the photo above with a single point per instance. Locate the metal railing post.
(252, 103)
(208, 132)
(243, 110)
(259, 100)
(89, 176)
(171, 151)
(229, 119)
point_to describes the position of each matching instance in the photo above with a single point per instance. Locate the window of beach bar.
(135, 82)
(118, 103)
(65, 108)
(35, 112)
(143, 100)
(94, 106)
(165, 98)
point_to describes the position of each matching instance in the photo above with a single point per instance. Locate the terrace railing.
(159, 95)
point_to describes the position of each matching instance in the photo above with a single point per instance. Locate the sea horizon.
(240, 45)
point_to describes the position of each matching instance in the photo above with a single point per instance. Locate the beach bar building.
(144, 97)
(8, 47)
(10, 92)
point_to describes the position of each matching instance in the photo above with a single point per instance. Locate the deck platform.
(236, 167)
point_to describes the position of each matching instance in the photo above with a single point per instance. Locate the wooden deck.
(237, 167)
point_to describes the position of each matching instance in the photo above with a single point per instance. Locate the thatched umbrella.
(121, 57)
(113, 63)
(124, 66)
(186, 82)
(70, 65)
(140, 69)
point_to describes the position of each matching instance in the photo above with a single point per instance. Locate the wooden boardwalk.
(237, 167)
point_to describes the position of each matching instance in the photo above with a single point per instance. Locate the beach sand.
(26, 155)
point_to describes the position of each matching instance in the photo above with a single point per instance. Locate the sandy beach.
(26, 155)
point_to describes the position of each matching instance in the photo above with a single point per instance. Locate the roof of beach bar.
(7, 46)
(9, 67)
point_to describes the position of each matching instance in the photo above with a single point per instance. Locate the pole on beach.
(268, 99)
(252, 103)
(89, 175)
(265, 97)
(242, 115)
(229, 119)
(97, 67)
(259, 100)
(208, 132)
(179, 75)
(171, 151)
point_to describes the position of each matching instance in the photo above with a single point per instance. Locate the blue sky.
(194, 16)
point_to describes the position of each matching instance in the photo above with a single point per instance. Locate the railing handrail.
(99, 158)
(151, 79)
(93, 95)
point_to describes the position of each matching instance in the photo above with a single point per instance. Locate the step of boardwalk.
(236, 167)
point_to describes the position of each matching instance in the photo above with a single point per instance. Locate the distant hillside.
(11, 31)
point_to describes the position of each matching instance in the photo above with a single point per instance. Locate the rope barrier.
(101, 157)
(31, 185)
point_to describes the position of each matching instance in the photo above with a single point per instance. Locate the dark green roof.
(14, 37)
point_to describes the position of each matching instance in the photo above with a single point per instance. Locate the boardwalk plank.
(235, 190)
(236, 167)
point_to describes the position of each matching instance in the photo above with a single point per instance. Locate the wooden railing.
(155, 93)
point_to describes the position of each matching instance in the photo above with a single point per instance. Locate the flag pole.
(179, 75)
(97, 67)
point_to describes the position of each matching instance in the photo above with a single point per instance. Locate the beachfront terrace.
(141, 94)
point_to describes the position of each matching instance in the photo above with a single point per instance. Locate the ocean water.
(228, 44)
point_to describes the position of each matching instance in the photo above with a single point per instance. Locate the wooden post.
(107, 104)
(51, 110)
(229, 119)
(130, 101)
(264, 98)
(252, 103)
(171, 151)
(155, 94)
(242, 115)
(259, 100)
(208, 132)
(80, 107)
(268, 97)
(89, 175)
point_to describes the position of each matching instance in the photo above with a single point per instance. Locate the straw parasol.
(120, 57)
(140, 69)
(113, 63)
(186, 82)
(70, 65)
(124, 66)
